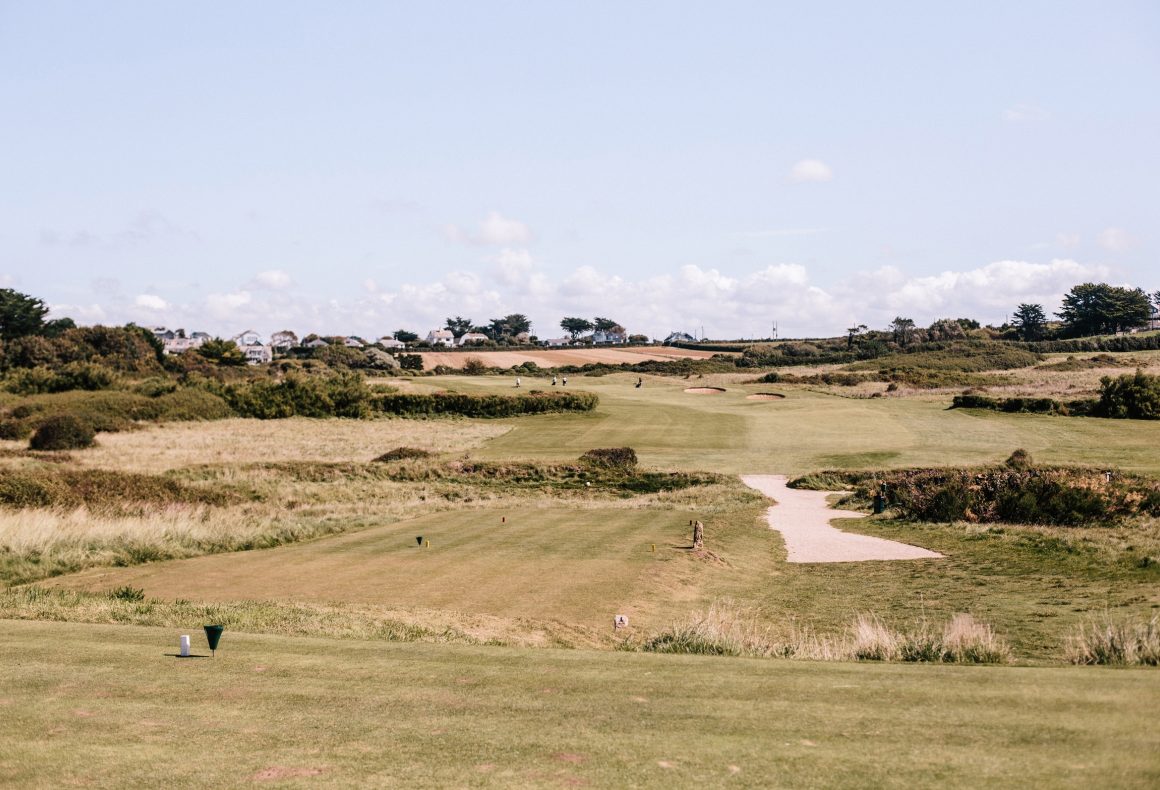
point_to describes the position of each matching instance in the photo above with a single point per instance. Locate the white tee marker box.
(619, 621)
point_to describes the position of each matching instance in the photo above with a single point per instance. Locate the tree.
(403, 336)
(605, 325)
(224, 352)
(902, 329)
(1030, 321)
(1097, 308)
(574, 326)
(20, 314)
(458, 326)
(853, 332)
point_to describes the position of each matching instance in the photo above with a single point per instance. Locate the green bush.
(485, 405)
(1131, 396)
(62, 432)
(298, 395)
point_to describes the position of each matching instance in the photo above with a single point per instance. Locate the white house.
(680, 337)
(257, 353)
(175, 340)
(556, 342)
(1154, 319)
(391, 343)
(247, 338)
(353, 342)
(441, 337)
(468, 338)
(601, 337)
(315, 343)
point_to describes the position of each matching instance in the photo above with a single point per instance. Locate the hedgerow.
(1016, 493)
(483, 405)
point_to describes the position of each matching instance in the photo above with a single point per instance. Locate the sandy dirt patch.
(803, 518)
(547, 358)
(705, 390)
(765, 396)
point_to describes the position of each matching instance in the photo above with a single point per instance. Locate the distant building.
(316, 342)
(175, 341)
(680, 337)
(468, 338)
(247, 338)
(391, 343)
(1154, 318)
(257, 353)
(353, 342)
(603, 338)
(441, 337)
(556, 342)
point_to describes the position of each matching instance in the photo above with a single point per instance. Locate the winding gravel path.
(803, 518)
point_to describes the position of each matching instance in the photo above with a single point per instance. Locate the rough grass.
(726, 629)
(1116, 642)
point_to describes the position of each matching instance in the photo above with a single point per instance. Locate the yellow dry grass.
(176, 445)
(557, 357)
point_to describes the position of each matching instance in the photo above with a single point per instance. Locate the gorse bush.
(620, 458)
(62, 432)
(298, 395)
(1027, 495)
(485, 405)
(100, 489)
(72, 376)
(403, 454)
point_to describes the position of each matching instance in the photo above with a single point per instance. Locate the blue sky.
(361, 167)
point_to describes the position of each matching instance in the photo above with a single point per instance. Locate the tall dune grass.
(1122, 642)
(730, 630)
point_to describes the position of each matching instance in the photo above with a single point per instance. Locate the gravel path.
(803, 518)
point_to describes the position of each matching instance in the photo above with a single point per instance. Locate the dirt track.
(803, 518)
(555, 357)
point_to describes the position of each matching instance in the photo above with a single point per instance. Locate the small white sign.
(620, 621)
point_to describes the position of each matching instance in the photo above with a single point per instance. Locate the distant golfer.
(517, 382)
(565, 384)
(639, 382)
(554, 381)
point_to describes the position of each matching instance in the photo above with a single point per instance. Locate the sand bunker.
(765, 396)
(803, 519)
(705, 390)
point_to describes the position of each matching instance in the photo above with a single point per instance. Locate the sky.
(714, 168)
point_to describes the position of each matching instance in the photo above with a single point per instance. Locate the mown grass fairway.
(581, 566)
(808, 430)
(104, 705)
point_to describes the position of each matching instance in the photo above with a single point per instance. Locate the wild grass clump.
(105, 490)
(62, 432)
(726, 629)
(1109, 642)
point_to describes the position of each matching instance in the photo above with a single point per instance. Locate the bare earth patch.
(803, 518)
(705, 390)
(765, 396)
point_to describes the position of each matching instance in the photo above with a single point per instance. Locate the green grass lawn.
(807, 430)
(105, 706)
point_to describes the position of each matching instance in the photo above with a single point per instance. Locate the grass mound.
(403, 454)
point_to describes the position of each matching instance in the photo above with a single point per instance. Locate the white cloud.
(1115, 239)
(810, 170)
(494, 230)
(274, 279)
(151, 302)
(1025, 113)
(227, 306)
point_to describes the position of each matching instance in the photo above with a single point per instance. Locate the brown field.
(556, 357)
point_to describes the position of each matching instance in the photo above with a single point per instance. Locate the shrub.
(403, 454)
(474, 366)
(455, 403)
(127, 593)
(1131, 396)
(618, 458)
(62, 432)
(1020, 460)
